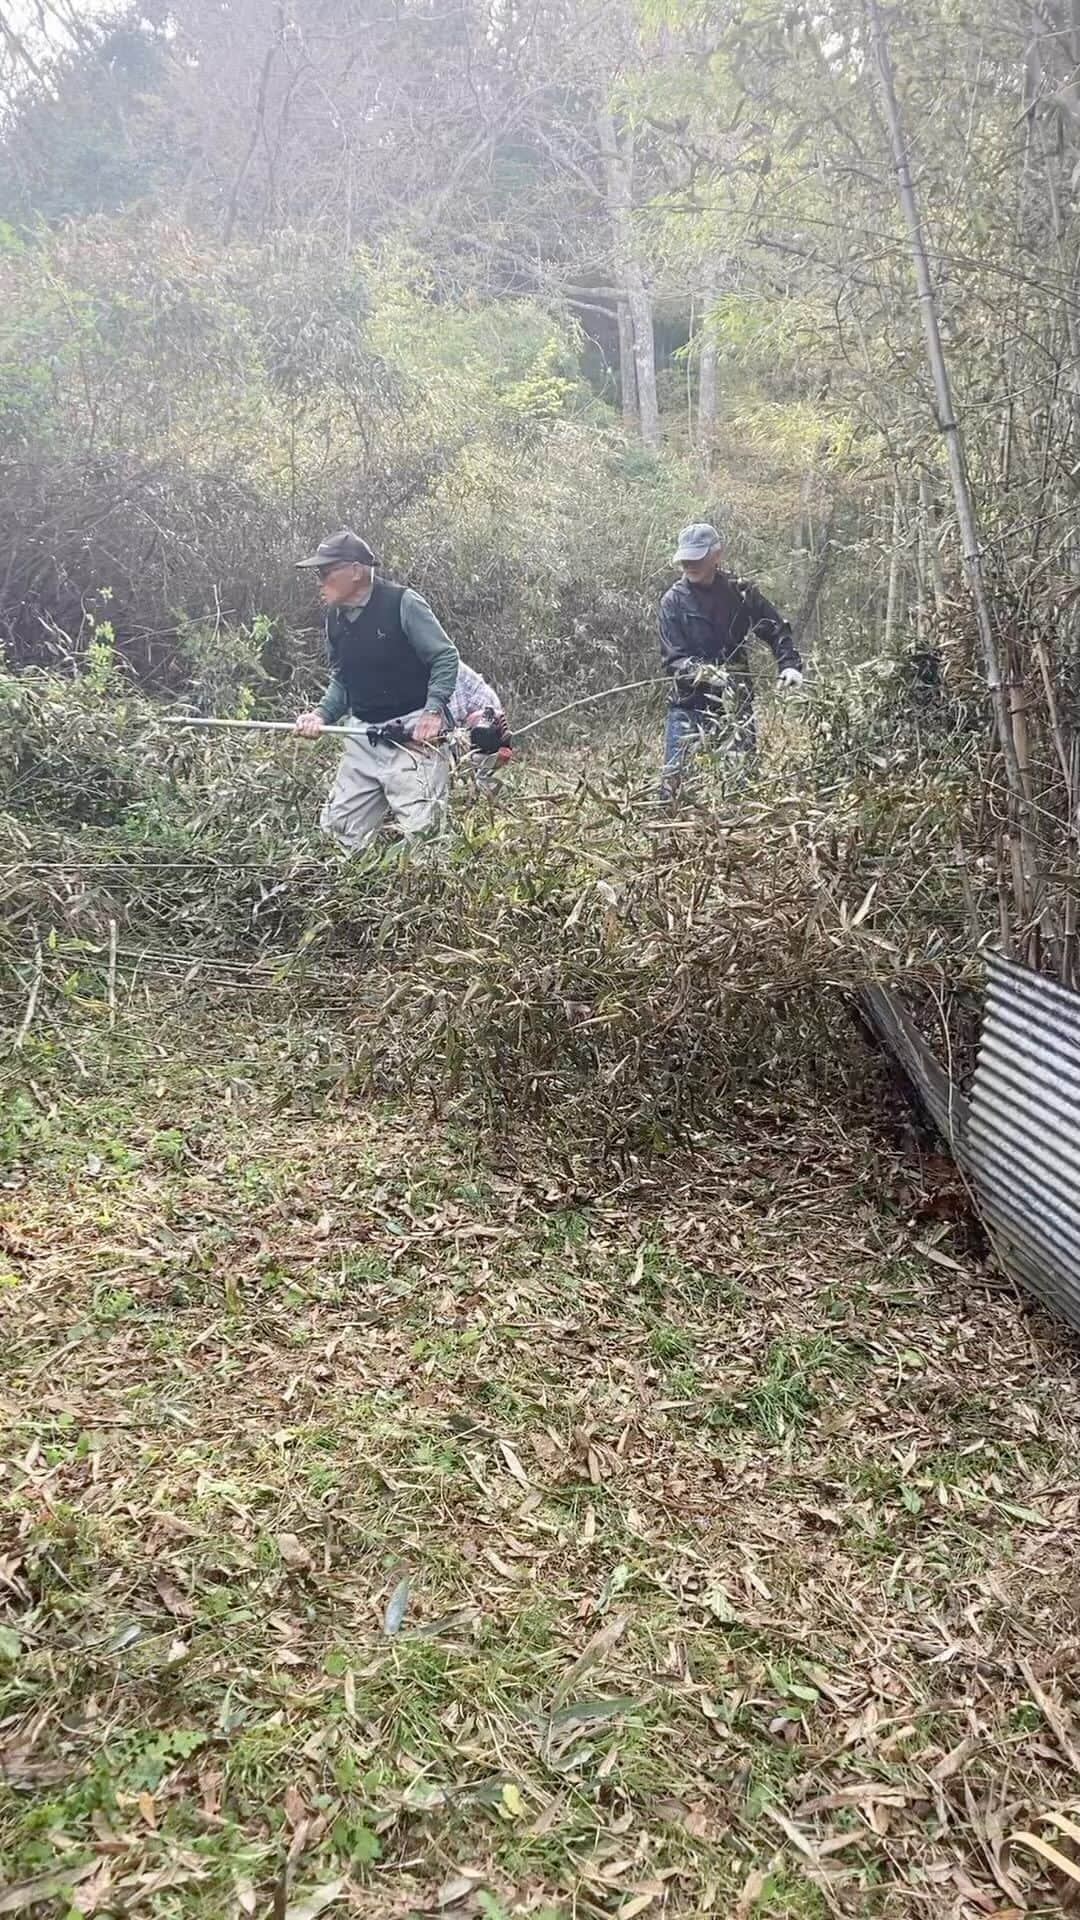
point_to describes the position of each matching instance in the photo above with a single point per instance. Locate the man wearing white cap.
(706, 619)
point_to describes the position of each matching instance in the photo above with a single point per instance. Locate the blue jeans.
(689, 731)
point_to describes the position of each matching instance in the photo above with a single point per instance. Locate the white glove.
(790, 677)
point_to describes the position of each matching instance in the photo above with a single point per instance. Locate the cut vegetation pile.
(570, 946)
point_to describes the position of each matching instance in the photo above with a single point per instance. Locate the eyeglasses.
(334, 566)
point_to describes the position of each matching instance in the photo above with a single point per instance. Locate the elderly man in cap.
(705, 621)
(394, 669)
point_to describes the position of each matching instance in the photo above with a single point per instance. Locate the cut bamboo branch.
(1064, 758)
(111, 990)
(31, 1005)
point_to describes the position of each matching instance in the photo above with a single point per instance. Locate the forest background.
(517, 290)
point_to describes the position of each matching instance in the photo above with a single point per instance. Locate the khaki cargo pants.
(380, 781)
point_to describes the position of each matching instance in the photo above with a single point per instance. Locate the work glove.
(790, 677)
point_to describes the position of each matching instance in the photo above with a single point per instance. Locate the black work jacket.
(714, 624)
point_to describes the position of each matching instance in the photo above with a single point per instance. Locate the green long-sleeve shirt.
(428, 641)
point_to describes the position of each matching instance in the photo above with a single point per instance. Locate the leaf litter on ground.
(774, 1615)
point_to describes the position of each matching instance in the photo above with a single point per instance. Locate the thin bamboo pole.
(361, 733)
(1031, 881)
(892, 599)
(946, 415)
(256, 726)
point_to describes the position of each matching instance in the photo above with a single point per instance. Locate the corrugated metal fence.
(1017, 1135)
(1020, 1142)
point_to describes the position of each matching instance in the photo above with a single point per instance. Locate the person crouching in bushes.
(477, 711)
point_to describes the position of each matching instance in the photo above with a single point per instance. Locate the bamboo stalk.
(968, 891)
(1054, 716)
(632, 686)
(361, 733)
(892, 600)
(1032, 896)
(1004, 922)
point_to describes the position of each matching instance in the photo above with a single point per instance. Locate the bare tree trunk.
(950, 432)
(260, 110)
(627, 371)
(819, 573)
(618, 163)
(645, 362)
(706, 409)
(1058, 158)
(804, 531)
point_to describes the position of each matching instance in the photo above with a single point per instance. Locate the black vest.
(383, 677)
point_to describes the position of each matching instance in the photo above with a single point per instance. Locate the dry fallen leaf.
(176, 1601)
(952, 1761)
(293, 1552)
(457, 1887)
(44, 1887)
(513, 1463)
(639, 1903)
(752, 1889)
(595, 1650)
(315, 1902)
(1052, 1855)
(396, 1607)
(93, 1893)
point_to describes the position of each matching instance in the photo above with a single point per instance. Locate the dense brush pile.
(569, 946)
